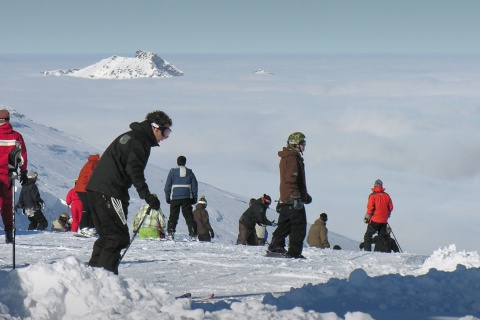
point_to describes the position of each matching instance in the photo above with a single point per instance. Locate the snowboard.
(81, 235)
(188, 295)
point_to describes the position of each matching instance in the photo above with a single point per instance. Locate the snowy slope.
(144, 65)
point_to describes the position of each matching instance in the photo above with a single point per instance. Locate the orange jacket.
(86, 172)
(379, 205)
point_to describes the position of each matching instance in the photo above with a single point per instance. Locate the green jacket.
(155, 220)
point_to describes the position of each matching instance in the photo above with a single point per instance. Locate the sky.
(218, 26)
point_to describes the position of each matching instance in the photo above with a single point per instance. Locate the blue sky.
(214, 26)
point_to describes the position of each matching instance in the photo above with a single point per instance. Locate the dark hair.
(160, 118)
(181, 161)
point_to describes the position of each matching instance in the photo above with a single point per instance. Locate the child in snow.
(31, 203)
(62, 224)
(76, 207)
(153, 225)
(200, 214)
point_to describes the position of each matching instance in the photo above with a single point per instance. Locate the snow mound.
(262, 71)
(144, 65)
(447, 259)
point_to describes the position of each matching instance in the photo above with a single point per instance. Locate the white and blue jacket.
(181, 184)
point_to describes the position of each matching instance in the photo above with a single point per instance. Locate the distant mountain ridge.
(144, 65)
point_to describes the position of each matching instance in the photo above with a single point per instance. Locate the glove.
(212, 235)
(309, 199)
(153, 201)
(167, 200)
(23, 177)
(297, 204)
(366, 219)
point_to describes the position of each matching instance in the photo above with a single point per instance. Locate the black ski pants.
(186, 206)
(38, 221)
(372, 228)
(86, 221)
(110, 219)
(291, 223)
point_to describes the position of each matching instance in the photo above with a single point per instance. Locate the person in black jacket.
(121, 165)
(255, 214)
(31, 203)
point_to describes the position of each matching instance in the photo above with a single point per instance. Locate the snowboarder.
(121, 165)
(76, 207)
(153, 227)
(181, 190)
(86, 222)
(255, 214)
(379, 209)
(10, 140)
(31, 203)
(318, 233)
(200, 214)
(293, 196)
(62, 224)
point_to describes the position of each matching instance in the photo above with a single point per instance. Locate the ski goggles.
(165, 130)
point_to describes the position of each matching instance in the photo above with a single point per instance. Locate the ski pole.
(395, 238)
(134, 235)
(13, 177)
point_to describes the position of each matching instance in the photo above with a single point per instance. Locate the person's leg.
(77, 209)
(251, 237)
(282, 231)
(86, 212)
(6, 205)
(188, 215)
(41, 220)
(33, 223)
(298, 227)
(173, 217)
(242, 234)
(372, 228)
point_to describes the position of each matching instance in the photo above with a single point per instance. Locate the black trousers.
(110, 219)
(293, 224)
(186, 206)
(372, 228)
(38, 221)
(86, 221)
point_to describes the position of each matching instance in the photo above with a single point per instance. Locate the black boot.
(9, 236)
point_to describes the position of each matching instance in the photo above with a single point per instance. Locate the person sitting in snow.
(255, 214)
(200, 214)
(153, 225)
(318, 233)
(31, 203)
(62, 224)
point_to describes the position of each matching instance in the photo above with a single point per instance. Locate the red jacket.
(86, 172)
(9, 139)
(379, 205)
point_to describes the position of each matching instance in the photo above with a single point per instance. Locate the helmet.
(266, 199)
(64, 216)
(296, 138)
(15, 157)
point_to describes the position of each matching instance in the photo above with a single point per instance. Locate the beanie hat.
(337, 247)
(181, 161)
(32, 174)
(378, 183)
(323, 216)
(203, 200)
(266, 199)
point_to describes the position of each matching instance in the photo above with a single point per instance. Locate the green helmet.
(295, 138)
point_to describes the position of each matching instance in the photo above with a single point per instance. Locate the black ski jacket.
(256, 213)
(30, 196)
(123, 163)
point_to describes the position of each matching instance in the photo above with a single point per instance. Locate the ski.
(81, 235)
(188, 295)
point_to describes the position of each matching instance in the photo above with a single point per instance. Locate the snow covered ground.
(51, 281)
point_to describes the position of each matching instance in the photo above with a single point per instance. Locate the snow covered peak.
(262, 71)
(144, 65)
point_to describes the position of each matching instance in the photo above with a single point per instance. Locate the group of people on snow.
(99, 200)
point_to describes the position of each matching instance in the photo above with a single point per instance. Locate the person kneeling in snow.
(200, 214)
(255, 214)
(153, 225)
(62, 224)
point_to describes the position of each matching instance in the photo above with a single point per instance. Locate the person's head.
(266, 199)
(63, 218)
(378, 183)
(32, 174)
(203, 200)
(324, 216)
(181, 161)
(160, 123)
(4, 116)
(297, 141)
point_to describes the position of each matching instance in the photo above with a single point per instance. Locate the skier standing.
(292, 221)
(121, 165)
(9, 140)
(76, 207)
(379, 209)
(86, 222)
(181, 190)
